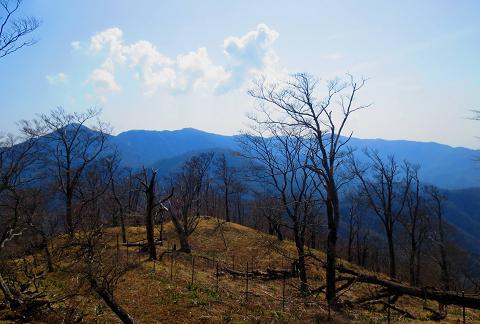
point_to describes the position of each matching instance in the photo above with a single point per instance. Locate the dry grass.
(152, 297)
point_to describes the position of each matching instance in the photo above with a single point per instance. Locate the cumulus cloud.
(250, 55)
(254, 49)
(57, 78)
(245, 55)
(103, 80)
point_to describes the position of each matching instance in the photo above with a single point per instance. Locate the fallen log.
(140, 243)
(268, 274)
(397, 288)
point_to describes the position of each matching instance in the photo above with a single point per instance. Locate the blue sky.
(174, 64)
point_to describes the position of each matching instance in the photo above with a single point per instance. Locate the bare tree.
(19, 207)
(436, 202)
(386, 185)
(70, 147)
(295, 104)
(354, 221)
(416, 224)
(14, 30)
(270, 208)
(227, 177)
(149, 185)
(98, 267)
(184, 205)
(282, 163)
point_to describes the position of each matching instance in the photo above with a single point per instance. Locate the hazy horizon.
(190, 64)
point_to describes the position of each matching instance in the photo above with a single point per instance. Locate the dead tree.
(397, 288)
(294, 103)
(69, 148)
(185, 204)
(386, 185)
(149, 184)
(14, 30)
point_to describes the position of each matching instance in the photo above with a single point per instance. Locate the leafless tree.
(227, 176)
(436, 202)
(152, 204)
(70, 148)
(295, 104)
(271, 209)
(417, 225)
(185, 204)
(14, 30)
(97, 266)
(282, 163)
(354, 221)
(20, 205)
(386, 185)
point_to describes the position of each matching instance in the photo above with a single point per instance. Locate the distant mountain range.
(442, 165)
(455, 169)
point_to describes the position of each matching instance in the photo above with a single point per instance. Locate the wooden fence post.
(246, 290)
(193, 269)
(118, 248)
(217, 279)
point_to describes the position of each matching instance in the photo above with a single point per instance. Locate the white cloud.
(253, 49)
(75, 45)
(248, 54)
(104, 80)
(57, 78)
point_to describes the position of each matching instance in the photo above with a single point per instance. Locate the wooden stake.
(193, 269)
(217, 278)
(246, 290)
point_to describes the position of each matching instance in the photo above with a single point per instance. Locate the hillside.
(164, 292)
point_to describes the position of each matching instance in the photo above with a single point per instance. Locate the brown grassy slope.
(152, 297)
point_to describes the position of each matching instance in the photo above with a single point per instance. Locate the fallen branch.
(397, 288)
(141, 243)
(268, 274)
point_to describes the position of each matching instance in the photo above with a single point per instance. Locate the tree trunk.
(121, 211)
(48, 255)
(150, 193)
(411, 267)
(397, 288)
(350, 243)
(111, 302)
(300, 265)
(227, 211)
(68, 212)
(333, 215)
(10, 298)
(184, 245)
(391, 254)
